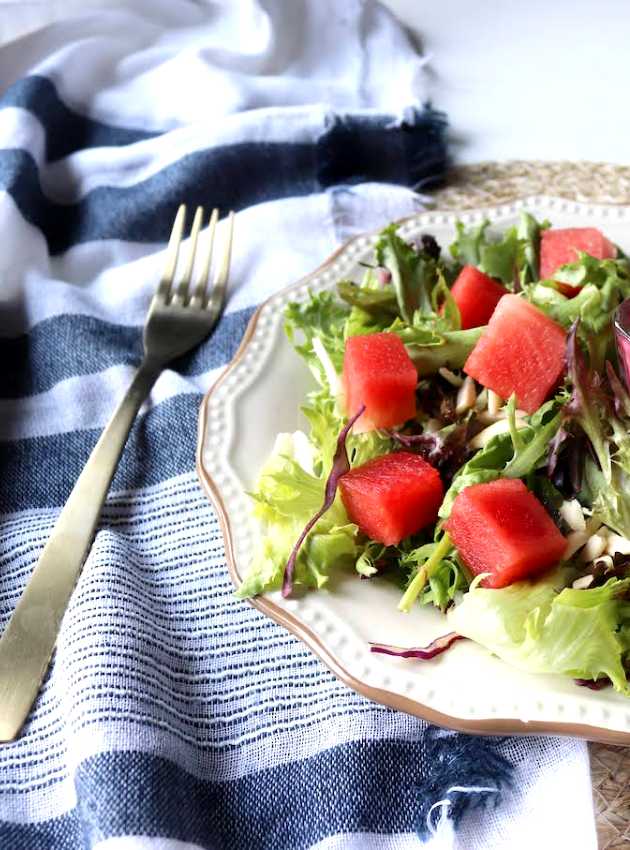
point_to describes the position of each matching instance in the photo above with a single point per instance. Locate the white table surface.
(529, 80)
(519, 80)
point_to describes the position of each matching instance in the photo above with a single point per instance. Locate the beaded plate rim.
(220, 482)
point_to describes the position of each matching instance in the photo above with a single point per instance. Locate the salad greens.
(576, 446)
(287, 496)
(340, 465)
(547, 627)
(497, 258)
(515, 454)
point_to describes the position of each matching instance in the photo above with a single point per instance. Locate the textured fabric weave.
(173, 716)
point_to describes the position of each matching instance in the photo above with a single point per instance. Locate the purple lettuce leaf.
(445, 449)
(587, 402)
(555, 446)
(340, 465)
(621, 398)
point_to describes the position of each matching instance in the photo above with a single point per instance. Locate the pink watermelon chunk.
(476, 294)
(561, 246)
(502, 529)
(522, 351)
(378, 372)
(392, 496)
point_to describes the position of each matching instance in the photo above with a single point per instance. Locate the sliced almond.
(487, 419)
(571, 513)
(466, 396)
(575, 541)
(480, 440)
(617, 543)
(593, 548)
(482, 400)
(495, 403)
(583, 582)
(453, 379)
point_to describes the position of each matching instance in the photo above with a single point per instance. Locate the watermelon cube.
(561, 246)
(392, 496)
(522, 351)
(378, 372)
(476, 294)
(502, 529)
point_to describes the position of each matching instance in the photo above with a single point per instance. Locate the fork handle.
(28, 641)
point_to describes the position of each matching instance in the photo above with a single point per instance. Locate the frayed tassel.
(366, 146)
(463, 773)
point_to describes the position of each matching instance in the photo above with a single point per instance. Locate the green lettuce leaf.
(604, 285)
(546, 627)
(327, 548)
(585, 305)
(325, 420)
(511, 455)
(380, 303)
(321, 318)
(486, 465)
(500, 259)
(290, 490)
(431, 349)
(610, 500)
(286, 496)
(373, 307)
(286, 487)
(531, 444)
(469, 242)
(588, 407)
(511, 257)
(366, 563)
(417, 302)
(497, 257)
(445, 578)
(361, 322)
(445, 308)
(364, 447)
(528, 231)
(606, 424)
(414, 273)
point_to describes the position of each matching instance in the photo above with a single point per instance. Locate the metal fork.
(178, 320)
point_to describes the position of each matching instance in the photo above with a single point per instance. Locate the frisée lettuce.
(546, 627)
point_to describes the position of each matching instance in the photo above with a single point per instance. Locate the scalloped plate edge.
(399, 702)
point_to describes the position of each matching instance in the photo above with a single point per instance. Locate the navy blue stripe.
(361, 786)
(412, 152)
(66, 131)
(68, 345)
(40, 471)
(385, 787)
(232, 177)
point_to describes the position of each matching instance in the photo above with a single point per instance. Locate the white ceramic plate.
(466, 688)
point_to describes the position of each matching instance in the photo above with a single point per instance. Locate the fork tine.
(181, 294)
(172, 253)
(219, 287)
(202, 279)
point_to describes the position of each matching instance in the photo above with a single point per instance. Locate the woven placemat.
(490, 183)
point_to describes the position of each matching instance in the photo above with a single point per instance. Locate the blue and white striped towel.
(175, 716)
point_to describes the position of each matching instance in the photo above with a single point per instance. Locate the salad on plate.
(468, 440)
